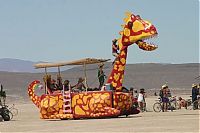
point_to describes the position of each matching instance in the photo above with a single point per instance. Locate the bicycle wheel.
(189, 104)
(14, 111)
(11, 115)
(7, 114)
(198, 104)
(171, 106)
(157, 107)
(195, 105)
(190, 107)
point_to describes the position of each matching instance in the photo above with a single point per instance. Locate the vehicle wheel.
(171, 106)
(157, 107)
(198, 104)
(14, 111)
(190, 107)
(11, 115)
(6, 117)
(177, 105)
(7, 112)
(195, 105)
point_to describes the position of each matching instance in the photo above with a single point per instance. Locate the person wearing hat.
(195, 93)
(115, 49)
(53, 86)
(164, 95)
(79, 86)
(101, 76)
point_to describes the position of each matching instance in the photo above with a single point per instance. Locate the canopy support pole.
(59, 71)
(86, 85)
(45, 81)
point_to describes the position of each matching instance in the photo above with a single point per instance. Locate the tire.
(195, 103)
(189, 105)
(157, 107)
(7, 112)
(11, 115)
(6, 116)
(172, 106)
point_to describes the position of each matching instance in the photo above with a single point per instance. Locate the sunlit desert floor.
(182, 120)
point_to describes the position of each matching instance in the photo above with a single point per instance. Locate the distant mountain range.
(16, 65)
(15, 75)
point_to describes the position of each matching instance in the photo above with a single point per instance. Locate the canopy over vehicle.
(76, 62)
(83, 62)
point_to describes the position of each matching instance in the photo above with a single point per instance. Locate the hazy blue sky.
(58, 30)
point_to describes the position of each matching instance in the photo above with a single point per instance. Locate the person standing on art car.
(115, 49)
(101, 76)
(53, 86)
(59, 84)
(66, 85)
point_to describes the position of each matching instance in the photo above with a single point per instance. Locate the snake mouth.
(147, 44)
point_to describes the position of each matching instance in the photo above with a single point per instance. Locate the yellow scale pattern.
(84, 105)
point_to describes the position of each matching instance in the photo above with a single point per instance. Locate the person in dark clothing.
(115, 49)
(66, 85)
(101, 76)
(195, 93)
(131, 91)
(2, 96)
(164, 95)
(59, 85)
(53, 85)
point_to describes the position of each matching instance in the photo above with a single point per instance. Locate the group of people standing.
(164, 95)
(139, 98)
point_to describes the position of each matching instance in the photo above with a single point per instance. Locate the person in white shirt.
(141, 99)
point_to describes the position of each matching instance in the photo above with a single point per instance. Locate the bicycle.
(158, 106)
(5, 113)
(8, 112)
(191, 105)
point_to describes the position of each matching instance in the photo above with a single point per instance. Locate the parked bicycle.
(172, 105)
(193, 105)
(6, 112)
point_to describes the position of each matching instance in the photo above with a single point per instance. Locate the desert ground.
(182, 120)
